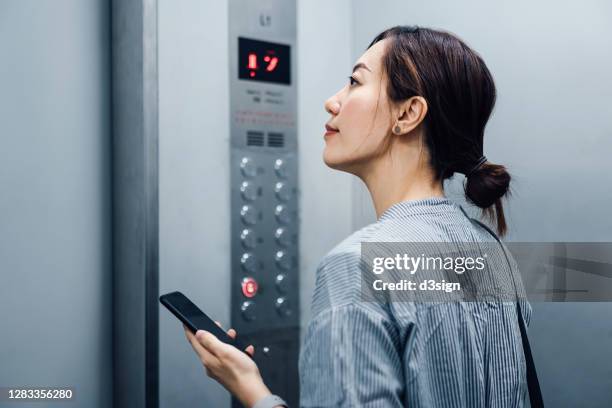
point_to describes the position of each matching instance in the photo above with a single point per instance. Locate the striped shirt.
(410, 354)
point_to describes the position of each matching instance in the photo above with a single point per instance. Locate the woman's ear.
(410, 115)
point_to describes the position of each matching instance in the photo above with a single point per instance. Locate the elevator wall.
(55, 204)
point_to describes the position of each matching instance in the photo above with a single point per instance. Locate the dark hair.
(460, 95)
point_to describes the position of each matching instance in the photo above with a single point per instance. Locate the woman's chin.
(340, 164)
(331, 160)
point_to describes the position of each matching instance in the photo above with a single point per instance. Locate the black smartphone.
(195, 319)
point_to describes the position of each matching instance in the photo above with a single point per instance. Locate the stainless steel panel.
(264, 196)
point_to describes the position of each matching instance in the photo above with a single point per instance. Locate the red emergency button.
(249, 287)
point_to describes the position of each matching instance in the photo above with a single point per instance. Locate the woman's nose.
(332, 106)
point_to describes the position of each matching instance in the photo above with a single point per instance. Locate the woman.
(412, 115)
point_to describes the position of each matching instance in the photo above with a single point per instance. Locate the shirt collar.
(429, 205)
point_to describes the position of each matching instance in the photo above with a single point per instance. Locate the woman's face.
(361, 115)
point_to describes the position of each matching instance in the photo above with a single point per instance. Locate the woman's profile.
(412, 114)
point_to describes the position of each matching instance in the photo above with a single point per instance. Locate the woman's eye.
(352, 80)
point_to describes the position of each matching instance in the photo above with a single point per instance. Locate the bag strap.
(533, 385)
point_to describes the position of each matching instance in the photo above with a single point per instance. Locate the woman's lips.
(330, 130)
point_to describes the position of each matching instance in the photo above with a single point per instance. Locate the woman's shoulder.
(338, 274)
(349, 247)
(413, 229)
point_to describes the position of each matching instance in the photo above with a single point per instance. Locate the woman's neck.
(392, 181)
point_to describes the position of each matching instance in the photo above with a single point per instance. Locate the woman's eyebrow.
(361, 65)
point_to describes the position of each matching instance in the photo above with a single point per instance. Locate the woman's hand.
(229, 366)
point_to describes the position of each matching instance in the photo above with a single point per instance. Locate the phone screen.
(186, 311)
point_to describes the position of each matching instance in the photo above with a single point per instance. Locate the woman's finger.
(230, 332)
(208, 341)
(213, 345)
(207, 358)
(186, 332)
(251, 350)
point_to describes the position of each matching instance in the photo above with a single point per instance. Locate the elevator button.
(282, 260)
(282, 306)
(282, 214)
(281, 283)
(247, 167)
(248, 263)
(282, 237)
(249, 287)
(247, 213)
(282, 191)
(248, 310)
(248, 191)
(247, 237)
(280, 167)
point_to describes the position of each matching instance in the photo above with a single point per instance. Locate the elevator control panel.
(264, 187)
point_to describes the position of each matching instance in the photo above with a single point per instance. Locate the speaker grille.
(276, 139)
(255, 138)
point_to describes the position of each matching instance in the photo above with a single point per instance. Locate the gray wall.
(55, 249)
(193, 187)
(325, 198)
(551, 127)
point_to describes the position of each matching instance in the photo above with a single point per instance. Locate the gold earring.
(397, 129)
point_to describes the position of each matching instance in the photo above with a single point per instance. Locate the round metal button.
(282, 191)
(281, 283)
(249, 287)
(248, 191)
(280, 168)
(247, 213)
(247, 262)
(248, 310)
(282, 214)
(247, 237)
(247, 167)
(282, 306)
(282, 260)
(282, 237)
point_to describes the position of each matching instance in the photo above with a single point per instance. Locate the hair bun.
(487, 184)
